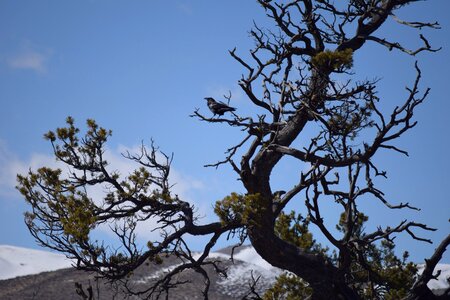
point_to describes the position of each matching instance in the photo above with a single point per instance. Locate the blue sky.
(141, 67)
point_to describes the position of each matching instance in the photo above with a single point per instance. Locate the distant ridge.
(58, 280)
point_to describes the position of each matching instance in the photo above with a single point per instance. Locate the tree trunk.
(321, 275)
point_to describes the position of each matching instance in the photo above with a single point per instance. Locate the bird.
(218, 108)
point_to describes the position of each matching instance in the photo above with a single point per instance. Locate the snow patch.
(253, 267)
(17, 261)
(250, 256)
(244, 274)
(442, 281)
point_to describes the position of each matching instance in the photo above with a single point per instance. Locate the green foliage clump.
(154, 258)
(71, 207)
(395, 275)
(288, 287)
(293, 228)
(78, 219)
(58, 199)
(91, 144)
(240, 208)
(358, 223)
(333, 60)
(118, 259)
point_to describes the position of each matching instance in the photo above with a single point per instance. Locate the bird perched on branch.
(218, 108)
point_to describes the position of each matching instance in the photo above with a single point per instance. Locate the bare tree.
(294, 78)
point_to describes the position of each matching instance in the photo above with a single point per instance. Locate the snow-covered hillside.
(17, 261)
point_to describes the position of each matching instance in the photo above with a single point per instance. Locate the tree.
(298, 75)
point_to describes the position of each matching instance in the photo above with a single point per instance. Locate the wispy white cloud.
(29, 61)
(30, 57)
